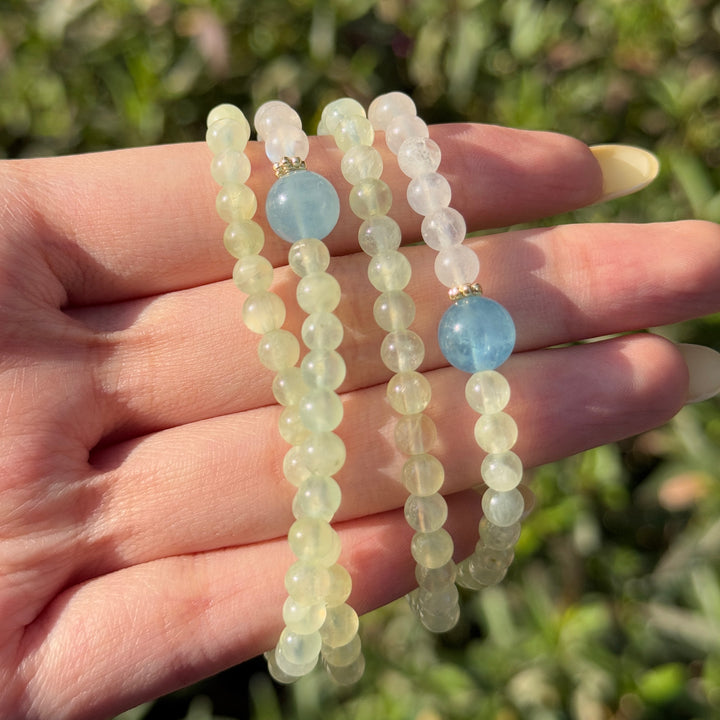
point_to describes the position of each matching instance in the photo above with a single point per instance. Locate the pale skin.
(143, 509)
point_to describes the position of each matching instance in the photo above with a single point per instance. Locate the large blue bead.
(476, 333)
(302, 205)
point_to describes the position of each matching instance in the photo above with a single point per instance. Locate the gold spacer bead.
(288, 165)
(461, 291)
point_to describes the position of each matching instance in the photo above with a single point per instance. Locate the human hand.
(143, 510)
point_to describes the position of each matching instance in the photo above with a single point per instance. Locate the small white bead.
(443, 228)
(403, 127)
(428, 193)
(418, 156)
(386, 107)
(457, 265)
(286, 141)
(273, 114)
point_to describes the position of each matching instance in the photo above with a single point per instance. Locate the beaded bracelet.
(318, 622)
(435, 602)
(476, 335)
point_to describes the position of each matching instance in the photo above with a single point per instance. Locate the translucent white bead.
(487, 391)
(353, 131)
(496, 432)
(253, 274)
(389, 271)
(340, 586)
(344, 654)
(292, 431)
(324, 453)
(321, 410)
(340, 626)
(226, 111)
(402, 350)
(418, 156)
(379, 235)
(324, 369)
(273, 114)
(388, 106)
(503, 508)
(394, 310)
(295, 470)
(436, 578)
(288, 386)
(458, 265)
(322, 331)
(337, 110)
(443, 228)
(498, 538)
(318, 292)
(313, 540)
(439, 622)
(318, 496)
(408, 392)
(360, 163)
(244, 237)
(228, 134)
(426, 514)
(235, 202)
(307, 583)
(415, 434)
(308, 256)
(286, 141)
(303, 619)
(440, 601)
(423, 475)
(278, 350)
(298, 649)
(403, 127)
(370, 197)
(428, 193)
(230, 167)
(347, 674)
(432, 549)
(263, 312)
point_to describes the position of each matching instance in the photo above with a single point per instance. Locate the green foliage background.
(612, 608)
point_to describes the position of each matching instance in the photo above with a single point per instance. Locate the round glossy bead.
(340, 586)
(437, 602)
(322, 331)
(503, 508)
(429, 193)
(483, 574)
(318, 496)
(295, 469)
(286, 141)
(318, 292)
(465, 579)
(288, 386)
(347, 674)
(408, 392)
(493, 559)
(344, 654)
(298, 649)
(423, 474)
(230, 167)
(313, 540)
(273, 114)
(487, 391)
(340, 626)
(436, 578)
(360, 163)
(443, 228)
(243, 237)
(278, 350)
(496, 537)
(418, 156)
(263, 312)
(253, 274)
(370, 197)
(321, 410)
(403, 127)
(502, 471)
(379, 235)
(323, 369)
(385, 108)
(415, 434)
(291, 428)
(301, 205)
(439, 622)
(352, 131)
(458, 265)
(284, 671)
(432, 549)
(394, 310)
(476, 333)
(402, 350)
(235, 202)
(389, 271)
(303, 619)
(338, 110)
(308, 255)
(495, 432)
(324, 453)
(307, 583)
(229, 112)
(426, 514)
(228, 134)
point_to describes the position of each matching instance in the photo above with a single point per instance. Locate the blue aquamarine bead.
(476, 333)
(302, 205)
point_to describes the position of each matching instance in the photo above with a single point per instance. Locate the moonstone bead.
(370, 197)
(389, 271)
(408, 392)
(443, 228)
(273, 114)
(318, 496)
(503, 508)
(253, 274)
(418, 156)
(322, 331)
(340, 626)
(324, 453)
(476, 333)
(487, 391)
(402, 350)
(457, 265)
(301, 205)
(403, 127)
(243, 237)
(323, 369)
(360, 163)
(415, 434)
(321, 410)
(278, 350)
(394, 310)
(303, 619)
(385, 108)
(495, 432)
(286, 141)
(379, 235)
(428, 193)
(426, 514)
(423, 474)
(432, 549)
(263, 312)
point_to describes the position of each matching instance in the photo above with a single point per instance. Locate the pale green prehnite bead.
(307, 583)
(352, 131)
(236, 202)
(402, 350)
(228, 133)
(361, 162)
(294, 468)
(426, 513)
(230, 167)
(428, 192)
(322, 331)
(263, 312)
(498, 538)
(278, 350)
(483, 574)
(432, 549)
(436, 578)
(344, 654)
(503, 508)
(303, 619)
(290, 425)
(323, 369)
(347, 674)
(415, 434)
(389, 271)
(495, 432)
(439, 622)
(244, 237)
(337, 110)
(318, 496)
(318, 292)
(379, 235)
(321, 410)
(437, 602)
(487, 391)
(340, 626)
(324, 453)
(408, 392)
(280, 676)
(465, 579)
(308, 256)
(289, 387)
(253, 274)
(394, 310)
(502, 471)
(297, 649)
(493, 559)
(423, 475)
(227, 111)
(340, 586)
(313, 540)
(370, 197)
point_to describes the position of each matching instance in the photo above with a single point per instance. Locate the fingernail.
(625, 169)
(704, 369)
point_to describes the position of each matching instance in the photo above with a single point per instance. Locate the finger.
(186, 356)
(139, 222)
(220, 482)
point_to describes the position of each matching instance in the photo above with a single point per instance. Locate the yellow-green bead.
(344, 654)
(347, 674)
(321, 410)
(322, 331)
(439, 622)
(440, 601)
(415, 434)
(423, 474)
(379, 234)
(227, 111)
(243, 237)
(487, 391)
(503, 508)
(289, 387)
(495, 432)
(318, 292)
(307, 583)
(230, 132)
(253, 274)
(370, 197)
(409, 392)
(295, 470)
(436, 578)
(402, 350)
(303, 619)
(389, 271)
(340, 626)
(313, 540)
(432, 549)
(337, 110)
(340, 585)
(278, 350)
(351, 131)
(394, 310)
(308, 256)
(298, 649)
(291, 427)
(263, 312)
(323, 369)
(498, 538)
(323, 453)
(318, 496)
(502, 471)
(236, 202)
(426, 514)
(361, 162)
(230, 167)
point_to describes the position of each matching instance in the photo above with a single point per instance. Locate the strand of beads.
(475, 334)
(302, 208)
(435, 601)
